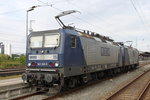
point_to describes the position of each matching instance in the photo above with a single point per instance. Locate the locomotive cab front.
(43, 58)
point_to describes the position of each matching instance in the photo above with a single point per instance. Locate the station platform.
(7, 82)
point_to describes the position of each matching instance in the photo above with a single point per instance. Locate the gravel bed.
(38, 97)
(144, 61)
(101, 90)
(104, 88)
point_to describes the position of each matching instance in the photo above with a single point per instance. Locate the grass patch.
(9, 64)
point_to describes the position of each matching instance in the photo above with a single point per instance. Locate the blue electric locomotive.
(67, 56)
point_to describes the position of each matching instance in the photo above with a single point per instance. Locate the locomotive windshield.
(48, 40)
(36, 41)
(51, 40)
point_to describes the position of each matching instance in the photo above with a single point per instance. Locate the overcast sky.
(122, 20)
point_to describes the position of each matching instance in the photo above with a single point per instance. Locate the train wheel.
(72, 83)
(110, 72)
(133, 66)
(100, 75)
(30, 83)
(62, 86)
(115, 71)
(84, 79)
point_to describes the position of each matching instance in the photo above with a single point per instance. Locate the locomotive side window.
(36, 41)
(73, 41)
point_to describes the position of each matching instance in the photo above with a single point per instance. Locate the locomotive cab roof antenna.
(64, 13)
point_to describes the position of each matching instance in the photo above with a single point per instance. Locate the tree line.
(12, 62)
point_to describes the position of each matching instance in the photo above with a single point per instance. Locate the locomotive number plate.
(44, 57)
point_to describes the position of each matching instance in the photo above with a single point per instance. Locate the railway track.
(137, 89)
(8, 92)
(144, 64)
(146, 93)
(77, 89)
(68, 92)
(51, 96)
(29, 95)
(9, 72)
(55, 94)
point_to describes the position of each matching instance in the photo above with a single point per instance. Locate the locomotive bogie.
(43, 77)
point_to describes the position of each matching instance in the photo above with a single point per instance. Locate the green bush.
(8, 62)
(4, 57)
(22, 59)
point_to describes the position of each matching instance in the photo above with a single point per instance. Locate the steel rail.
(144, 64)
(129, 83)
(144, 91)
(14, 90)
(28, 95)
(25, 96)
(9, 72)
(12, 69)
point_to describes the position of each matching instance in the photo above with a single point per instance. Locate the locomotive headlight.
(56, 64)
(29, 64)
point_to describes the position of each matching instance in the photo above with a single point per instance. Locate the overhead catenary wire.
(73, 4)
(139, 15)
(13, 11)
(10, 40)
(52, 6)
(142, 13)
(114, 34)
(143, 21)
(59, 9)
(14, 35)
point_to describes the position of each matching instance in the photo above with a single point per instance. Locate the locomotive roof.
(87, 34)
(45, 31)
(83, 33)
(96, 36)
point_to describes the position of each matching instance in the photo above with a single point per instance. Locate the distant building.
(7, 49)
(1, 48)
(144, 56)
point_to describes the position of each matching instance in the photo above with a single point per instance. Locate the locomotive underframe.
(62, 78)
(43, 77)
